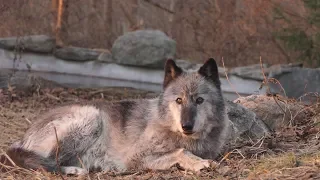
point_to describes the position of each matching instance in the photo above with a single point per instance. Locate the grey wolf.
(185, 125)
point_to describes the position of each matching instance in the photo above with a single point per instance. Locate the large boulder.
(297, 82)
(275, 112)
(148, 48)
(34, 43)
(244, 123)
(77, 54)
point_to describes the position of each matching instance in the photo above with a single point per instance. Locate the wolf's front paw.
(193, 162)
(72, 170)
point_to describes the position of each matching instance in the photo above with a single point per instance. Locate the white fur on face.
(175, 111)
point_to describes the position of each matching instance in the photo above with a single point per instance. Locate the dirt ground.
(293, 153)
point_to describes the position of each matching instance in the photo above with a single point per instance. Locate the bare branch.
(159, 6)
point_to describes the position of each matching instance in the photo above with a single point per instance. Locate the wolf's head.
(191, 103)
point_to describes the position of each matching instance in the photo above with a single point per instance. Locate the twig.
(303, 109)
(228, 154)
(126, 173)
(52, 97)
(83, 166)
(225, 71)
(159, 6)
(279, 105)
(97, 92)
(239, 152)
(256, 154)
(316, 94)
(17, 168)
(261, 139)
(57, 153)
(275, 81)
(13, 167)
(9, 159)
(266, 82)
(262, 70)
(28, 120)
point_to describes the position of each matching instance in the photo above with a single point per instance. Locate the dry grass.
(288, 165)
(292, 153)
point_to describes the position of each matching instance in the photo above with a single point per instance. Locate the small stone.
(105, 57)
(77, 54)
(34, 43)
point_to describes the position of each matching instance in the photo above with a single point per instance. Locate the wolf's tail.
(25, 159)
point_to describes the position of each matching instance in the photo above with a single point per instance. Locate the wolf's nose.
(187, 127)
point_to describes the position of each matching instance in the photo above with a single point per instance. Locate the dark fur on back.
(124, 111)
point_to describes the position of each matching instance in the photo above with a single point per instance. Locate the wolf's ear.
(171, 72)
(210, 71)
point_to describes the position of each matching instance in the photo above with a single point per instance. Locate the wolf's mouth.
(188, 132)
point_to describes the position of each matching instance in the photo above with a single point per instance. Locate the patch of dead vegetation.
(292, 152)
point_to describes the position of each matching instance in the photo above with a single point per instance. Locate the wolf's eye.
(199, 100)
(178, 100)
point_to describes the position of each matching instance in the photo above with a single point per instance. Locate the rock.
(278, 69)
(187, 65)
(244, 123)
(34, 43)
(150, 48)
(105, 57)
(275, 113)
(77, 54)
(249, 72)
(254, 71)
(24, 81)
(296, 82)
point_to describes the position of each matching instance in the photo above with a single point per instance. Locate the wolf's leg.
(184, 158)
